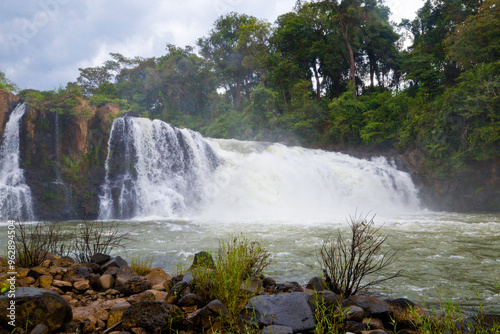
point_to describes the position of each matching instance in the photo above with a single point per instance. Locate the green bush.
(237, 259)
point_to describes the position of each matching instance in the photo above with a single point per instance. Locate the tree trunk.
(351, 56)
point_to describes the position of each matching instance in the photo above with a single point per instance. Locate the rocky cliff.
(63, 148)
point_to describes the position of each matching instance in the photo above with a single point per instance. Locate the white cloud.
(44, 42)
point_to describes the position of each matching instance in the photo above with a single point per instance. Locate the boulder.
(317, 284)
(373, 307)
(158, 276)
(404, 312)
(176, 292)
(76, 273)
(252, 286)
(288, 287)
(92, 313)
(36, 272)
(105, 282)
(116, 313)
(191, 299)
(276, 329)
(100, 258)
(290, 309)
(146, 295)
(325, 299)
(122, 275)
(81, 285)
(44, 281)
(65, 262)
(36, 306)
(23, 272)
(114, 262)
(136, 285)
(268, 282)
(63, 285)
(154, 316)
(353, 313)
(26, 282)
(213, 315)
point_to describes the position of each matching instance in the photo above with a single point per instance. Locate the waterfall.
(274, 181)
(153, 169)
(15, 195)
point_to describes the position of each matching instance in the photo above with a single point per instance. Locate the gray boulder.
(36, 306)
(289, 309)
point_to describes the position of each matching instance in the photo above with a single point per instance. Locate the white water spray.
(15, 195)
(273, 181)
(154, 169)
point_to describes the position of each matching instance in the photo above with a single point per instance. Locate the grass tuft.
(142, 265)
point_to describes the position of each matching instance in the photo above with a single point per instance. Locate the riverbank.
(107, 296)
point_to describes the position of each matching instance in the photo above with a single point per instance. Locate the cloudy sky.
(44, 42)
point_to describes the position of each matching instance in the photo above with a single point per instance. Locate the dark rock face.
(152, 315)
(476, 189)
(63, 154)
(38, 307)
(289, 309)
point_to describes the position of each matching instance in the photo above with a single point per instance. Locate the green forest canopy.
(331, 73)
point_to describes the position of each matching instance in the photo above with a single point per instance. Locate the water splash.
(153, 169)
(275, 182)
(15, 195)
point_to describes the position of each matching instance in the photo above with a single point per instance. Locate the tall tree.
(234, 47)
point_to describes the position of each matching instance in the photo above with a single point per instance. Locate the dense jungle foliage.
(331, 73)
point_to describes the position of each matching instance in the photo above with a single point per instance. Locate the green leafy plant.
(328, 319)
(237, 259)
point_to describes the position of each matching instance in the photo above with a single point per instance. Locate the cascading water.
(15, 195)
(273, 181)
(153, 169)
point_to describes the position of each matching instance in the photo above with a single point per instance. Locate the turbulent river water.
(179, 193)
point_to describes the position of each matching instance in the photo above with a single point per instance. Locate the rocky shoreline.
(107, 296)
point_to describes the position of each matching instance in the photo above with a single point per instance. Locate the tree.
(426, 65)
(350, 16)
(234, 47)
(92, 77)
(477, 40)
(6, 84)
(378, 41)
